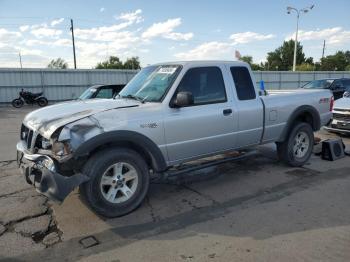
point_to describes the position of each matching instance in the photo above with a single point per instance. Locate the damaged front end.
(49, 164)
(41, 172)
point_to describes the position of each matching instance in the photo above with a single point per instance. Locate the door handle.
(227, 112)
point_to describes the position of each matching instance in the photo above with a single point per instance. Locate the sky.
(169, 30)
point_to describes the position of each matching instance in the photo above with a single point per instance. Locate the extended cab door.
(249, 106)
(208, 125)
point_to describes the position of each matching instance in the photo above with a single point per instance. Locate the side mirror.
(183, 99)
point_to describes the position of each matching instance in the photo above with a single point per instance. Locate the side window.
(206, 85)
(337, 84)
(346, 84)
(243, 82)
(105, 93)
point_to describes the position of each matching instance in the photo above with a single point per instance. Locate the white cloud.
(179, 36)
(209, 50)
(247, 37)
(166, 30)
(34, 42)
(45, 32)
(35, 52)
(24, 28)
(102, 9)
(112, 32)
(7, 36)
(63, 42)
(57, 21)
(221, 50)
(132, 17)
(333, 36)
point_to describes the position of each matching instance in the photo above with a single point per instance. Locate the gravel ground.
(256, 209)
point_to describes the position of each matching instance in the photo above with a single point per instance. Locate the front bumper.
(41, 172)
(338, 126)
(337, 130)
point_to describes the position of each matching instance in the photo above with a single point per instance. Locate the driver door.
(206, 126)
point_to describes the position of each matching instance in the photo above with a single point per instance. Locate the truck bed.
(280, 103)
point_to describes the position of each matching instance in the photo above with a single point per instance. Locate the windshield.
(326, 83)
(151, 83)
(87, 93)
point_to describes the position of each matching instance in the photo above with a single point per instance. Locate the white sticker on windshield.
(167, 70)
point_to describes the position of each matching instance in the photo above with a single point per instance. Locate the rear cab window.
(104, 93)
(243, 83)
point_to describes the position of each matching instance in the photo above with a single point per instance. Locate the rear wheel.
(17, 103)
(297, 148)
(119, 182)
(42, 101)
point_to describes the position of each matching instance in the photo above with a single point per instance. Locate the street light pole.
(296, 43)
(298, 12)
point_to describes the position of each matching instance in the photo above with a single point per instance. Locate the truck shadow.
(252, 190)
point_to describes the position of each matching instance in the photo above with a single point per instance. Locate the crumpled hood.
(46, 120)
(342, 103)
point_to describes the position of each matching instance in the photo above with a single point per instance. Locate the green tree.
(282, 57)
(58, 63)
(337, 62)
(305, 67)
(132, 63)
(113, 62)
(249, 59)
(347, 68)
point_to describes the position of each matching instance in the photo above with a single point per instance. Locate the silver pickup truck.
(168, 114)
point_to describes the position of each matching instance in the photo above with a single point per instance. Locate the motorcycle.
(29, 98)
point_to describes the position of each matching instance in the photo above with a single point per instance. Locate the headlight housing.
(45, 143)
(61, 148)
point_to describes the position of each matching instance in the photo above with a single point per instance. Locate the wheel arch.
(129, 139)
(305, 113)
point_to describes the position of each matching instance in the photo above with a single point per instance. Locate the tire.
(17, 103)
(293, 151)
(42, 101)
(96, 191)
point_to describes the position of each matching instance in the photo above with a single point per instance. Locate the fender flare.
(300, 111)
(122, 138)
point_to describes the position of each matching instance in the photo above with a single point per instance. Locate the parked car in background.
(336, 85)
(341, 115)
(101, 91)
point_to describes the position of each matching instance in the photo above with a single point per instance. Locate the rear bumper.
(41, 172)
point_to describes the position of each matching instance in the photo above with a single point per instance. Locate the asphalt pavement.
(257, 209)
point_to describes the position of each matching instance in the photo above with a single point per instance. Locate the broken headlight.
(45, 143)
(61, 148)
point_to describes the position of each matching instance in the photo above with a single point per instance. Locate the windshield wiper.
(142, 100)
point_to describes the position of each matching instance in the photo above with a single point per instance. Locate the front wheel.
(119, 181)
(42, 101)
(297, 148)
(17, 103)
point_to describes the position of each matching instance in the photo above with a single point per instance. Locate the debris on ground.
(51, 239)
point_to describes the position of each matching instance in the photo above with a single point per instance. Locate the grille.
(341, 117)
(27, 135)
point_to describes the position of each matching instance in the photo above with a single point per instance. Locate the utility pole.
(20, 59)
(324, 47)
(72, 30)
